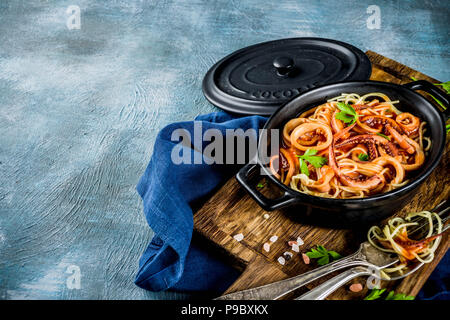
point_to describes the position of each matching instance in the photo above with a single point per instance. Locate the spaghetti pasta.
(352, 146)
(395, 238)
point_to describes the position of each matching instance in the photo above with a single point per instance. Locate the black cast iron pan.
(363, 210)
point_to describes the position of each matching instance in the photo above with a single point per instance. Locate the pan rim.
(370, 199)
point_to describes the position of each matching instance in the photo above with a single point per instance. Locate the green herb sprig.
(398, 296)
(310, 157)
(363, 157)
(377, 293)
(347, 114)
(323, 255)
(444, 85)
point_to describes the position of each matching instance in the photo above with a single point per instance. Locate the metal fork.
(325, 289)
(366, 255)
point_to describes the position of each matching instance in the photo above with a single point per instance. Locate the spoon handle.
(325, 289)
(280, 288)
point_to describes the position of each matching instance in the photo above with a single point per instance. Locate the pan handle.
(265, 203)
(431, 89)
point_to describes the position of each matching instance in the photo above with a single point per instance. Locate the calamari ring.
(399, 170)
(308, 127)
(419, 157)
(367, 184)
(400, 139)
(289, 126)
(322, 184)
(409, 123)
(292, 165)
(336, 124)
(272, 167)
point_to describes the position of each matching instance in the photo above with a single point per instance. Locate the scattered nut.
(306, 259)
(266, 247)
(356, 287)
(266, 216)
(300, 241)
(295, 248)
(273, 238)
(281, 260)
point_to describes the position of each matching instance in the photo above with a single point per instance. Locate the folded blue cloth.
(168, 192)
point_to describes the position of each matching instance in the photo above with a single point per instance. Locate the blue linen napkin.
(168, 192)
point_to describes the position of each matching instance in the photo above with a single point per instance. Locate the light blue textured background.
(80, 109)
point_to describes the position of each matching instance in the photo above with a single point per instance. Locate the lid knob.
(284, 65)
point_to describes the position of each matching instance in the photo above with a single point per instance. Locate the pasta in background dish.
(351, 147)
(395, 237)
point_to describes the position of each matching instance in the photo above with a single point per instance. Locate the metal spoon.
(325, 289)
(366, 255)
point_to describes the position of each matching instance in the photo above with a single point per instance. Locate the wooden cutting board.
(231, 211)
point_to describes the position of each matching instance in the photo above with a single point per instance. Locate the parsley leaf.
(363, 157)
(375, 294)
(439, 102)
(314, 254)
(346, 108)
(310, 156)
(334, 255)
(323, 255)
(384, 136)
(398, 296)
(447, 127)
(304, 167)
(445, 86)
(262, 183)
(347, 114)
(344, 117)
(324, 260)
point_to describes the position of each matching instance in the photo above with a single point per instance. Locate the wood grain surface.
(232, 211)
(80, 110)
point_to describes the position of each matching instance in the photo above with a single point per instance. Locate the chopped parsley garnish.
(262, 183)
(309, 156)
(384, 136)
(377, 293)
(323, 255)
(347, 114)
(444, 85)
(363, 157)
(398, 296)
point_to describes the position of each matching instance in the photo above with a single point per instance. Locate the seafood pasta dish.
(352, 146)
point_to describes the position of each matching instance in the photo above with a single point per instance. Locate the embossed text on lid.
(260, 78)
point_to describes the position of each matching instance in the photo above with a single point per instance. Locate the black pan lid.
(258, 79)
